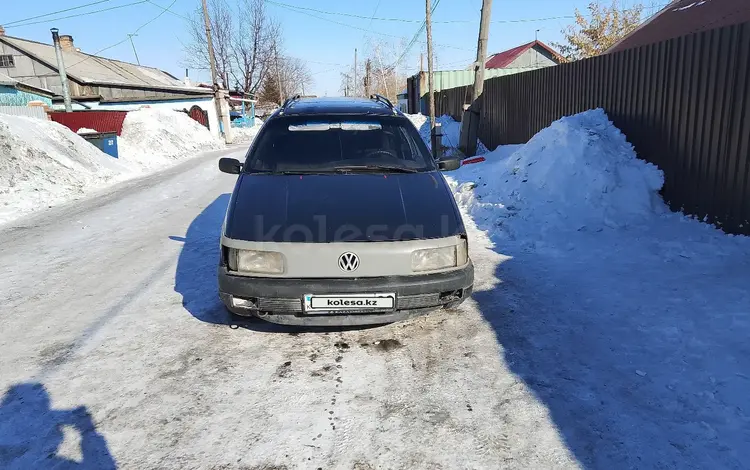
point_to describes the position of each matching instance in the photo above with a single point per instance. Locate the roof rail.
(382, 99)
(290, 100)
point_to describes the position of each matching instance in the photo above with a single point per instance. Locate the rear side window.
(314, 144)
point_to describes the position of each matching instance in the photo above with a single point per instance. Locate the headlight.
(252, 261)
(434, 259)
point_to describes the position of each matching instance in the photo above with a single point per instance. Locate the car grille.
(280, 305)
(407, 302)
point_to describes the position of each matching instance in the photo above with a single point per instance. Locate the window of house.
(6, 61)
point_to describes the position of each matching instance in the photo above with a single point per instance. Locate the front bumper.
(279, 300)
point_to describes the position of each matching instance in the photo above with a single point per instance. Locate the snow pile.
(43, 163)
(152, 138)
(578, 174)
(420, 121)
(451, 132)
(601, 288)
(245, 135)
(86, 130)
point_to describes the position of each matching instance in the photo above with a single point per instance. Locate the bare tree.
(253, 45)
(345, 88)
(243, 43)
(292, 75)
(222, 30)
(384, 77)
(295, 76)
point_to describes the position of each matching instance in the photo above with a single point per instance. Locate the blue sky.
(328, 46)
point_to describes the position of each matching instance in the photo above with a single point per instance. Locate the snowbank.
(244, 135)
(578, 174)
(152, 138)
(451, 132)
(43, 163)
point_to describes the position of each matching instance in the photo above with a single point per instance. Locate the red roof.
(502, 59)
(683, 17)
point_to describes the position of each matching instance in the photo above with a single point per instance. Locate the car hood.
(342, 207)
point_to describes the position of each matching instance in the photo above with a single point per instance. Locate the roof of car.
(349, 106)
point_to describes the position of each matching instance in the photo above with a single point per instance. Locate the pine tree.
(269, 91)
(592, 36)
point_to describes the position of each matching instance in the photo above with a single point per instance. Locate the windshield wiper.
(376, 168)
(286, 172)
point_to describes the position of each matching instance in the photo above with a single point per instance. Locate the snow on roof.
(503, 59)
(93, 69)
(683, 17)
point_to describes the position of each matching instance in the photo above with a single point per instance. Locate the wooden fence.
(684, 104)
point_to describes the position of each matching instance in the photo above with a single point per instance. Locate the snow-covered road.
(114, 350)
(109, 307)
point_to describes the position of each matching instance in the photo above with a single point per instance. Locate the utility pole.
(367, 79)
(130, 36)
(484, 32)
(214, 78)
(467, 141)
(428, 22)
(355, 71)
(61, 70)
(278, 76)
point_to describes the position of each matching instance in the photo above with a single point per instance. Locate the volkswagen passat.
(340, 216)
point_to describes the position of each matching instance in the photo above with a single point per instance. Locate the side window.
(408, 149)
(6, 61)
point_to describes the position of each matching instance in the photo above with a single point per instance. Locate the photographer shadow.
(31, 433)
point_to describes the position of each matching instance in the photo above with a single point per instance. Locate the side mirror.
(230, 165)
(449, 164)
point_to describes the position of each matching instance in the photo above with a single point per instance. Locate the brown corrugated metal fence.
(100, 121)
(684, 104)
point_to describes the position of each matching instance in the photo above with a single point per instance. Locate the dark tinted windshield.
(315, 144)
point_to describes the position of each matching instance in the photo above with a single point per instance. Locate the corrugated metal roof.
(6, 80)
(90, 69)
(683, 17)
(10, 81)
(502, 59)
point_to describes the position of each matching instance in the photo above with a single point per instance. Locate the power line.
(127, 37)
(56, 12)
(404, 20)
(79, 14)
(416, 36)
(170, 11)
(377, 5)
(651, 7)
(297, 10)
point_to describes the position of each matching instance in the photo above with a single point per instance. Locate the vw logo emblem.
(348, 262)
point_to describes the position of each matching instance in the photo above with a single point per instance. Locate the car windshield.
(338, 144)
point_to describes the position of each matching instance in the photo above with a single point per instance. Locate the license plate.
(348, 303)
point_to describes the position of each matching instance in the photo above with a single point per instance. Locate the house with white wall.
(98, 82)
